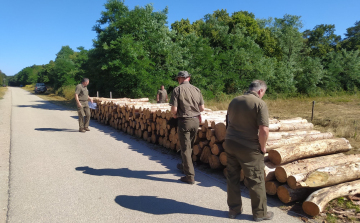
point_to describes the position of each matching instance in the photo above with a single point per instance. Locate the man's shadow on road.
(55, 130)
(161, 206)
(127, 173)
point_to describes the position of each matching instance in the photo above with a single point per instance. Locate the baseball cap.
(183, 74)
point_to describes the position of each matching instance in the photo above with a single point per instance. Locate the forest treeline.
(3, 79)
(135, 52)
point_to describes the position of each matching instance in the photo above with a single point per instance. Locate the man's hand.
(78, 105)
(91, 100)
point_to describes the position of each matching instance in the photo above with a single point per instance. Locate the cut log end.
(311, 208)
(280, 174)
(275, 157)
(271, 187)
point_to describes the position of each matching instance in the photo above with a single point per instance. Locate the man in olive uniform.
(161, 96)
(82, 98)
(186, 104)
(246, 136)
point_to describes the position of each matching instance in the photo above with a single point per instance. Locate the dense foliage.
(135, 52)
(3, 79)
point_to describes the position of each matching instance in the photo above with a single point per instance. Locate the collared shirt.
(82, 92)
(245, 114)
(187, 98)
(162, 96)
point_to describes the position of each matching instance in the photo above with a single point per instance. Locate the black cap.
(183, 74)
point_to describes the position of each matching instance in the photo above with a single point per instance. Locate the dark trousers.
(187, 128)
(252, 162)
(84, 112)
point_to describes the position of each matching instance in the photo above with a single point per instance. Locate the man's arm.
(77, 100)
(166, 98)
(263, 136)
(202, 108)
(90, 99)
(157, 97)
(174, 111)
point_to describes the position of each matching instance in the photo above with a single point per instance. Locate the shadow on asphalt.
(162, 206)
(55, 130)
(126, 172)
(45, 105)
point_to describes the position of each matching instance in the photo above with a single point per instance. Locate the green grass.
(2, 91)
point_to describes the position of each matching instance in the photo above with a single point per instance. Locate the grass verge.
(2, 91)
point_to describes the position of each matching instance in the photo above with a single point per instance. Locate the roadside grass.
(339, 114)
(2, 91)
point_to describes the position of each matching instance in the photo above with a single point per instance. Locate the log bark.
(287, 195)
(332, 175)
(303, 150)
(297, 139)
(295, 126)
(197, 150)
(269, 171)
(223, 158)
(271, 187)
(317, 201)
(283, 172)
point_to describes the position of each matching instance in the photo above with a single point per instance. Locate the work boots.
(269, 215)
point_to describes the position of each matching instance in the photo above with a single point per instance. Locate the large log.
(287, 195)
(317, 201)
(297, 139)
(220, 131)
(216, 149)
(269, 171)
(332, 175)
(295, 126)
(223, 158)
(303, 150)
(284, 171)
(206, 153)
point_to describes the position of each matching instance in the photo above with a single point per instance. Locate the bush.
(67, 92)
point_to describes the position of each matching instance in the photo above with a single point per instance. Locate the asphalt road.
(60, 175)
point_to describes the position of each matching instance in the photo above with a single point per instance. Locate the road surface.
(60, 175)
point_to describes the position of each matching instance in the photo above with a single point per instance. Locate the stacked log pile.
(299, 159)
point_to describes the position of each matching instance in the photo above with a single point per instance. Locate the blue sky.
(32, 32)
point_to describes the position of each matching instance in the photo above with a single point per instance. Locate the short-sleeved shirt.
(162, 96)
(245, 114)
(82, 92)
(187, 98)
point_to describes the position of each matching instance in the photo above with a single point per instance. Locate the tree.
(322, 40)
(352, 40)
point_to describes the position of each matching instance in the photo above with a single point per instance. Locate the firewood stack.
(299, 159)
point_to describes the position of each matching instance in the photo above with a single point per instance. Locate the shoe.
(269, 215)
(233, 214)
(187, 180)
(82, 130)
(86, 129)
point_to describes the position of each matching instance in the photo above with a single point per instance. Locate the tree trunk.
(271, 187)
(332, 175)
(269, 171)
(295, 126)
(220, 131)
(206, 153)
(317, 201)
(287, 195)
(283, 172)
(303, 150)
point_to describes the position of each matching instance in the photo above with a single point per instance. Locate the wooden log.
(287, 195)
(220, 131)
(214, 162)
(210, 133)
(197, 150)
(271, 187)
(317, 201)
(295, 126)
(223, 158)
(331, 175)
(297, 139)
(303, 150)
(204, 143)
(206, 153)
(283, 172)
(195, 158)
(216, 149)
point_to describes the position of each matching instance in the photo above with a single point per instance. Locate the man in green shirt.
(161, 96)
(245, 141)
(186, 104)
(82, 98)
